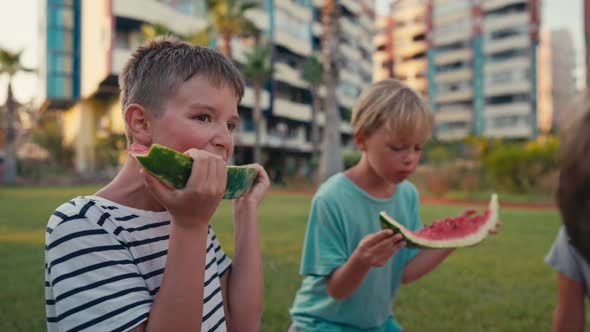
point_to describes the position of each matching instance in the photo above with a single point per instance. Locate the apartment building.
(556, 79)
(86, 43)
(481, 63)
(401, 44)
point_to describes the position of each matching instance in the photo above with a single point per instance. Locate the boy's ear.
(359, 140)
(137, 120)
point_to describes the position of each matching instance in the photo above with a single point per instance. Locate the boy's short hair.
(391, 103)
(573, 190)
(158, 67)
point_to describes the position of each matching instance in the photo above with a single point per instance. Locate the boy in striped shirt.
(139, 255)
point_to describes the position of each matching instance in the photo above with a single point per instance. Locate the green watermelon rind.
(174, 169)
(416, 242)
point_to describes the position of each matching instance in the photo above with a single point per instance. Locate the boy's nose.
(223, 138)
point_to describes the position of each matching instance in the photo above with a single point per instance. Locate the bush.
(519, 167)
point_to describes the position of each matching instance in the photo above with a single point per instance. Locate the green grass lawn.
(500, 285)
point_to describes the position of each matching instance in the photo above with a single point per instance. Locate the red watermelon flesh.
(464, 230)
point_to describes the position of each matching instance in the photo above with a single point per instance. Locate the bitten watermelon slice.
(174, 169)
(465, 230)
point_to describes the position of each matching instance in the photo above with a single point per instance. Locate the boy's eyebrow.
(235, 118)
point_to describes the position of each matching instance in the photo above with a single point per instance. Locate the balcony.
(349, 29)
(350, 52)
(514, 87)
(248, 99)
(519, 62)
(518, 108)
(345, 100)
(412, 29)
(490, 5)
(353, 5)
(517, 131)
(465, 54)
(452, 37)
(287, 74)
(453, 134)
(505, 44)
(459, 75)
(450, 18)
(505, 21)
(302, 13)
(454, 96)
(411, 67)
(381, 39)
(454, 114)
(155, 12)
(259, 17)
(292, 110)
(412, 48)
(296, 44)
(119, 58)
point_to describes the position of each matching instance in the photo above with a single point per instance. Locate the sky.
(19, 30)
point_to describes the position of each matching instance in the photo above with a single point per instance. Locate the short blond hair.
(391, 103)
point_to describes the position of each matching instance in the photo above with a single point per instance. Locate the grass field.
(500, 285)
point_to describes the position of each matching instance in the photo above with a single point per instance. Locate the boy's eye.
(203, 117)
(396, 148)
(231, 126)
(418, 148)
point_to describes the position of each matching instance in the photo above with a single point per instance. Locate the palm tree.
(229, 20)
(258, 70)
(151, 31)
(312, 73)
(331, 160)
(10, 64)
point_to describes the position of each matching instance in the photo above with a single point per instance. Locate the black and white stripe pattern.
(104, 264)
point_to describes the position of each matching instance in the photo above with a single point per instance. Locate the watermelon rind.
(174, 169)
(414, 241)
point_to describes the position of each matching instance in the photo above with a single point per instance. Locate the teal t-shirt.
(341, 215)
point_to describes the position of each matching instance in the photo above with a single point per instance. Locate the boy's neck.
(128, 189)
(365, 177)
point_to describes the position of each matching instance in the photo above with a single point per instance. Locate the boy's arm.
(242, 284)
(374, 250)
(424, 262)
(180, 297)
(569, 312)
(179, 303)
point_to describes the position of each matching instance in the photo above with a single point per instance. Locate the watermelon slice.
(174, 169)
(465, 230)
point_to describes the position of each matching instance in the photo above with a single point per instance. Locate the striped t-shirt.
(104, 264)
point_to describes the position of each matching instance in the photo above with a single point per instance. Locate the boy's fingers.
(387, 243)
(375, 238)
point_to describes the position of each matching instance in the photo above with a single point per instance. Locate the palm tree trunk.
(331, 161)
(225, 46)
(257, 123)
(9, 140)
(315, 129)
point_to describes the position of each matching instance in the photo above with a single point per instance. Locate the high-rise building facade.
(481, 63)
(87, 42)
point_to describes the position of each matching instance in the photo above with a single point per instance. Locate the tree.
(151, 31)
(229, 20)
(258, 70)
(10, 64)
(312, 73)
(331, 160)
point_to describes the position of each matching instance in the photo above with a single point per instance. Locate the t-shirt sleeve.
(91, 279)
(223, 261)
(415, 223)
(324, 247)
(564, 258)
